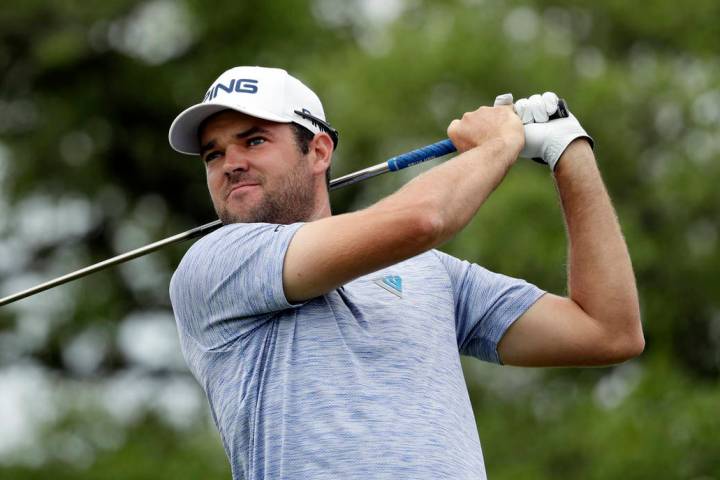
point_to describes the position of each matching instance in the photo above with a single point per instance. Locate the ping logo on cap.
(238, 85)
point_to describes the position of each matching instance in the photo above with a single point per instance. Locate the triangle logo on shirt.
(391, 283)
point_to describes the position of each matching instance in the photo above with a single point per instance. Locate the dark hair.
(303, 137)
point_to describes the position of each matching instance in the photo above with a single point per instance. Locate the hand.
(484, 124)
(545, 141)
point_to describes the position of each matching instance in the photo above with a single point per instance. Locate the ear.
(321, 149)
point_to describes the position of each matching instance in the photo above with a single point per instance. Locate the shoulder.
(450, 263)
(430, 265)
(230, 246)
(464, 272)
(236, 239)
(238, 234)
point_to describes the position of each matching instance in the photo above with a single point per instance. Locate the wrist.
(579, 151)
(504, 148)
(515, 144)
(511, 143)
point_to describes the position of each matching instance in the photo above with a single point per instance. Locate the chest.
(409, 303)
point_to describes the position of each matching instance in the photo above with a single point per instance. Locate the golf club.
(394, 164)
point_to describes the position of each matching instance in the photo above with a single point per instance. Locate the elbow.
(433, 228)
(625, 347)
(632, 348)
(639, 343)
(421, 221)
(621, 337)
(430, 227)
(633, 341)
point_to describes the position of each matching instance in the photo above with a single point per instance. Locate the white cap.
(267, 93)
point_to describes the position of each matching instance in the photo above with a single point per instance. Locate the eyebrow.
(250, 131)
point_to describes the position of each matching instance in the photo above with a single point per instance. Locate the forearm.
(451, 193)
(600, 275)
(423, 214)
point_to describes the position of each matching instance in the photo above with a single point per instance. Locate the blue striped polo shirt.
(364, 382)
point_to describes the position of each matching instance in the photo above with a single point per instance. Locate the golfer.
(329, 345)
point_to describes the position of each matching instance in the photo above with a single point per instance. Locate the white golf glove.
(545, 140)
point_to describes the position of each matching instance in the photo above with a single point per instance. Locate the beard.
(293, 200)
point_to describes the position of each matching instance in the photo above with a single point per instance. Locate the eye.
(211, 156)
(254, 141)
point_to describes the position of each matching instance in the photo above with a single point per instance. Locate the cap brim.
(183, 134)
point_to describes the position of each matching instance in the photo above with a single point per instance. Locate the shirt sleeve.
(486, 304)
(230, 282)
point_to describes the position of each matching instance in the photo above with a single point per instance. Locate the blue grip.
(443, 147)
(420, 155)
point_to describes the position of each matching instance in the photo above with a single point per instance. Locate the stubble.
(292, 201)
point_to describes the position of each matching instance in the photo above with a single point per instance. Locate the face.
(255, 170)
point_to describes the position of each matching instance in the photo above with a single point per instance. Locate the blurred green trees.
(91, 385)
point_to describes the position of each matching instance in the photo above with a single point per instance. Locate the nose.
(235, 159)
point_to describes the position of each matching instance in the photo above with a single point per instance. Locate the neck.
(322, 205)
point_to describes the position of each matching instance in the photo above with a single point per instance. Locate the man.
(329, 346)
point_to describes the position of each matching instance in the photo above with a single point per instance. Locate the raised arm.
(426, 212)
(599, 322)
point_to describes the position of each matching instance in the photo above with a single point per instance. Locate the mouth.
(241, 187)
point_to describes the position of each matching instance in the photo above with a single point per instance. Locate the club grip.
(562, 111)
(444, 147)
(437, 149)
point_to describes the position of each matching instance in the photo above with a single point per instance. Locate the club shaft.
(394, 164)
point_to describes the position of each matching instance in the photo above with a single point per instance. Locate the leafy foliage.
(89, 89)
